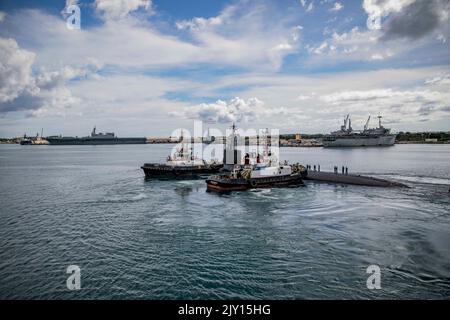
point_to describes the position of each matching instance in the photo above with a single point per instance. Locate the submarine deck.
(351, 179)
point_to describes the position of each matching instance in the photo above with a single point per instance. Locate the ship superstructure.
(368, 137)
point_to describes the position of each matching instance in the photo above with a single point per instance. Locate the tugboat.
(25, 141)
(182, 164)
(38, 140)
(258, 176)
(180, 168)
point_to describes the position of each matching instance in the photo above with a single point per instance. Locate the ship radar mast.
(379, 121)
(233, 135)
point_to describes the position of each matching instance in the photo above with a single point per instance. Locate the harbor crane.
(346, 119)
(366, 126)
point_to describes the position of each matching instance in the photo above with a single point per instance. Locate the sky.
(148, 67)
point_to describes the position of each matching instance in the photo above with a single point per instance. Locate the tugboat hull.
(26, 142)
(225, 184)
(160, 170)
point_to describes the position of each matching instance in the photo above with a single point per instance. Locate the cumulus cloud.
(378, 9)
(2, 16)
(397, 104)
(234, 110)
(412, 19)
(115, 9)
(40, 92)
(417, 19)
(199, 23)
(15, 70)
(313, 103)
(20, 89)
(51, 79)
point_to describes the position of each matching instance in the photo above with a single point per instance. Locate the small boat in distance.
(25, 141)
(38, 140)
(259, 176)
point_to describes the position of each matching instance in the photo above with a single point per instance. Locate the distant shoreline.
(302, 140)
(285, 146)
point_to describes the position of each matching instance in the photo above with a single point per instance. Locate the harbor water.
(133, 238)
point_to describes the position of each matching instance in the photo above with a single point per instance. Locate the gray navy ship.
(369, 137)
(94, 139)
